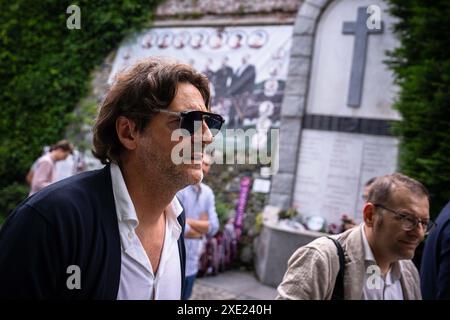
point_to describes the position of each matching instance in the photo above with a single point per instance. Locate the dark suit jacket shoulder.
(435, 266)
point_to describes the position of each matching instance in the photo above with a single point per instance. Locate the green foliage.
(10, 197)
(288, 214)
(223, 210)
(422, 68)
(81, 122)
(45, 70)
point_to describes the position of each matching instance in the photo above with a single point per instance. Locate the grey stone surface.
(292, 106)
(232, 285)
(296, 85)
(290, 131)
(202, 291)
(299, 66)
(309, 10)
(304, 26)
(220, 7)
(288, 157)
(319, 3)
(283, 182)
(302, 45)
(279, 200)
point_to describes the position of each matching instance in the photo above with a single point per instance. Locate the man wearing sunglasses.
(376, 256)
(117, 233)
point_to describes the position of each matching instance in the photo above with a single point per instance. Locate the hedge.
(422, 68)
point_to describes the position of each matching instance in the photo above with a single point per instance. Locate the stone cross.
(361, 32)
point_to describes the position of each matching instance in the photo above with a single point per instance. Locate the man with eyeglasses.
(117, 233)
(371, 261)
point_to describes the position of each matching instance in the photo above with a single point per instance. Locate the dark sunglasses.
(192, 120)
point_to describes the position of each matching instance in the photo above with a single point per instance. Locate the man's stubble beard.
(174, 175)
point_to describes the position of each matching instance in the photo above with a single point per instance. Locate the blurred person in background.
(44, 172)
(30, 173)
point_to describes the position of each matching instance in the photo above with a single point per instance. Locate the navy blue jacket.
(435, 268)
(71, 222)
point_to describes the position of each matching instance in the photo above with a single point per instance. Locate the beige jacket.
(313, 268)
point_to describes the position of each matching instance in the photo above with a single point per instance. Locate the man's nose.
(203, 136)
(419, 230)
(207, 136)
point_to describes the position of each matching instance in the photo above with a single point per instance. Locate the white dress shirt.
(386, 287)
(137, 279)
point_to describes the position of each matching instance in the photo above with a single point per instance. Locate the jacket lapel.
(354, 268)
(406, 281)
(182, 251)
(110, 224)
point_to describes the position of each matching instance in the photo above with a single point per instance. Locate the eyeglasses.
(408, 221)
(192, 120)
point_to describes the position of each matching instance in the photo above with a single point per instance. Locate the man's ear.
(126, 132)
(369, 214)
